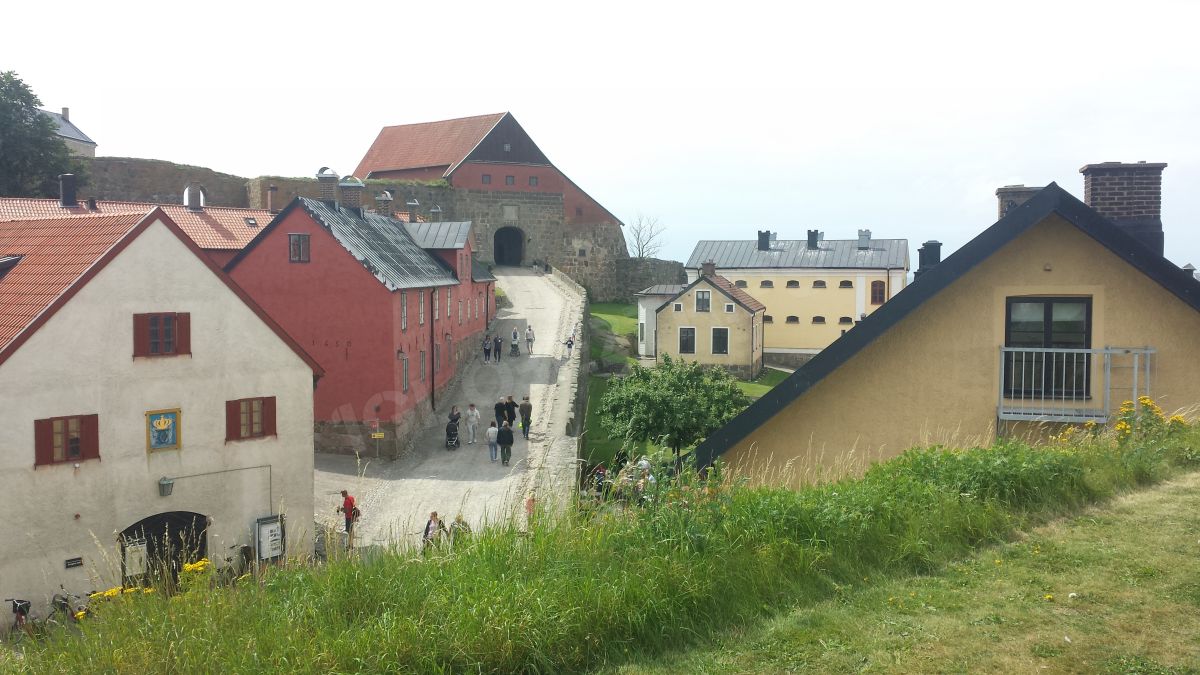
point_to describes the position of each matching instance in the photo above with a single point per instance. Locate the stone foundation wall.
(786, 360)
(637, 274)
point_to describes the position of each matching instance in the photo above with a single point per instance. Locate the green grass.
(597, 446)
(612, 319)
(601, 588)
(619, 318)
(767, 379)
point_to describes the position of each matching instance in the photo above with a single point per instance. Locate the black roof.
(479, 272)
(1051, 199)
(381, 244)
(67, 129)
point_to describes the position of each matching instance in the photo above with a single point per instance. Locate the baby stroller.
(452, 435)
(513, 349)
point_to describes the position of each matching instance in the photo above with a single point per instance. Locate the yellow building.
(1055, 314)
(814, 290)
(712, 322)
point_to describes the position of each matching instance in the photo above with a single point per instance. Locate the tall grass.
(589, 587)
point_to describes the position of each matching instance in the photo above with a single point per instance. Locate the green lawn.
(597, 446)
(767, 379)
(621, 319)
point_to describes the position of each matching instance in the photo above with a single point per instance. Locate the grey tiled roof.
(66, 129)
(383, 246)
(662, 289)
(439, 235)
(479, 272)
(790, 253)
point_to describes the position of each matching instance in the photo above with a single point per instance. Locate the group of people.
(436, 531)
(493, 345)
(499, 434)
(633, 483)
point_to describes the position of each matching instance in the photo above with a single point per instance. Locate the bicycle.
(22, 627)
(67, 608)
(235, 566)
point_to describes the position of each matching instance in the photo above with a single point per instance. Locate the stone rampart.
(153, 180)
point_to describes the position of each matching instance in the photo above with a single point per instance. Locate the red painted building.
(388, 320)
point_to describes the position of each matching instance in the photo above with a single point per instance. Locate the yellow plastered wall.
(743, 326)
(805, 302)
(933, 378)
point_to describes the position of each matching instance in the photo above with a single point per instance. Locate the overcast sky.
(718, 119)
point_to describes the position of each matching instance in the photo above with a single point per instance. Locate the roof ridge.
(452, 119)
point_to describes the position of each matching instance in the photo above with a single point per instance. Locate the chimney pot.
(764, 240)
(327, 181)
(813, 238)
(352, 189)
(864, 240)
(66, 113)
(383, 203)
(91, 204)
(929, 255)
(1010, 197)
(66, 190)
(708, 269)
(1130, 195)
(193, 196)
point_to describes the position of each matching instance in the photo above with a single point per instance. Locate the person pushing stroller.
(452, 441)
(514, 348)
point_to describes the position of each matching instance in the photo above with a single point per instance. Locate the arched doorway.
(508, 246)
(157, 547)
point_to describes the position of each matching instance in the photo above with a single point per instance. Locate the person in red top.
(347, 508)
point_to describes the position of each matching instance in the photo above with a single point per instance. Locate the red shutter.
(233, 420)
(43, 442)
(141, 334)
(268, 416)
(89, 429)
(183, 333)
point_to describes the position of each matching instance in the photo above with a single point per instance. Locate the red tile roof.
(54, 254)
(737, 293)
(429, 144)
(213, 227)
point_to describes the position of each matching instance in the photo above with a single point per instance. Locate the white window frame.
(404, 372)
(679, 342)
(403, 310)
(642, 332)
(421, 309)
(707, 298)
(712, 343)
(729, 308)
(678, 307)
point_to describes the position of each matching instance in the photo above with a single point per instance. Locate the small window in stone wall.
(740, 283)
(679, 307)
(845, 320)
(583, 253)
(846, 283)
(766, 283)
(767, 318)
(793, 319)
(819, 319)
(793, 284)
(818, 284)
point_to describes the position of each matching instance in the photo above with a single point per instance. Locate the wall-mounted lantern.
(165, 486)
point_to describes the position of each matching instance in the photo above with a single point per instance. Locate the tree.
(676, 404)
(31, 153)
(645, 237)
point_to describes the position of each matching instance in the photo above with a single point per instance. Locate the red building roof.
(736, 293)
(212, 227)
(428, 144)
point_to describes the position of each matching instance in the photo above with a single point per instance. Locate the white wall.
(80, 362)
(646, 315)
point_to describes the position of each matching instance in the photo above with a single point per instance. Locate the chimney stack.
(383, 203)
(327, 181)
(708, 269)
(193, 196)
(271, 190)
(813, 238)
(929, 255)
(864, 240)
(764, 240)
(66, 190)
(1010, 197)
(66, 114)
(1130, 195)
(352, 189)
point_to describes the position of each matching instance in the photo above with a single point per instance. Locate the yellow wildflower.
(112, 592)
(80, 614)
(147, 591)
(1048, 597)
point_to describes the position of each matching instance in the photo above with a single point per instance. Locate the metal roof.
(67, 129)
(382, 245)
(829, 254)
(439, 235)
(662, 289)
(480, 272)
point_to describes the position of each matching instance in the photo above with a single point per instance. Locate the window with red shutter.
(61, 440)
(162, 334)
(232, 420)
(183, 333)
(249, 418)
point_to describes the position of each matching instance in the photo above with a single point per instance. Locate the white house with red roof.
(149, 409)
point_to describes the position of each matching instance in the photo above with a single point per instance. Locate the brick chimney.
(66, 190)
(352, 189)
(327, 181)
(708, 269)
(383, 203)
(66, 114)
(193, 196)
(928, 256)
(1010, 197)
(1130, 195)
(271, 190)
(864, 240)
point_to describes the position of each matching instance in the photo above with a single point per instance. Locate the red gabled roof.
(428, 144)
(58, 256)
(738, 294)
(213, 227)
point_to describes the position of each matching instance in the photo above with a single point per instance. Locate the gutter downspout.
(432, 347)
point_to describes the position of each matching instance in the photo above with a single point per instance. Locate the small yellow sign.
(377, 434)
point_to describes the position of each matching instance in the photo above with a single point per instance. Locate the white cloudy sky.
(716, 118)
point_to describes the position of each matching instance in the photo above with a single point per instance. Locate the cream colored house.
(711, 321)
(814, 290)
(648, 302)
(144, 399)
(1055, 314)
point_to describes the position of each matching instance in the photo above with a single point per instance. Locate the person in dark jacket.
(510, 412)
(505, 439)
(497, 344)
(487, 348)
(526, 409)
(501, 411)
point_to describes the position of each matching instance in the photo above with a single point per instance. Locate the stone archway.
(157, 547)
(508, 246)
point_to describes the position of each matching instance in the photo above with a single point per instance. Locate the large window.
(421, 308)
(641, 331)
(1037, 327)
(66, 439)
(162, 334)
(687, 340)
(720, 340)
(878, 291)
(703, 300)
(249, 418)
(298, 248)
(403, 310)
(437, 294)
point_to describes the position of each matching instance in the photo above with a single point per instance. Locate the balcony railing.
(1070, 385)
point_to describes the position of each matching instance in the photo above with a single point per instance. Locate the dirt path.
(396, 497)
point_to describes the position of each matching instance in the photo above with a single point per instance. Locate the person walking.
(505, 439)
(472, 423)
(501, 411)
(487, 348)
(497, 345)
(491, 434)
(350, 510)
(526, 409)
(529, 339)
(459, 530)
(510, 412)
(514, 350)
(570, 345)
(434, 529)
